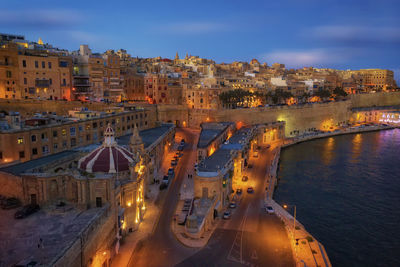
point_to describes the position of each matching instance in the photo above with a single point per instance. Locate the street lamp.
(294, 220)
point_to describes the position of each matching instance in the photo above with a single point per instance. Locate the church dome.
(108, 158)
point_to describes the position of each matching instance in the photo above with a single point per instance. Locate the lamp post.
(294, 221)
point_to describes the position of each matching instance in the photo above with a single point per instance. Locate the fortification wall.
(377, 99)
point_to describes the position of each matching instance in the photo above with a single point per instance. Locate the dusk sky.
(322, 33)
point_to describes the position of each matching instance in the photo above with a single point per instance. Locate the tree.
(338, 91)
(323, 94)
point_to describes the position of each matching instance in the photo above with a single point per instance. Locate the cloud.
(362, 35)
(312, 57)
(193, 28)
(40, 18)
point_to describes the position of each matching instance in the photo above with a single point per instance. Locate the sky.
(342, 34)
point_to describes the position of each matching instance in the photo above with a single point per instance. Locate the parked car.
(174, 162)
(250, 190)
(245, 179)
(270, 210)
(249, 166)
(232, 205)
(239, 191)
(163, 186)
(11, 203)
(180, 147)
(165, 179)
(268, 146)
(171, 171)
(227, 215)
(26, 211)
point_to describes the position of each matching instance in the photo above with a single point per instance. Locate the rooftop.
(36, 164)
(58, 228)
(210, 131)
(222, 156)
(149, 136)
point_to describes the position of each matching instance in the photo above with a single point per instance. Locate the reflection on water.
(328, 150)
(347, 193)
(356, 146)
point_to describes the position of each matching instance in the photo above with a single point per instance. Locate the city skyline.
(358, 35)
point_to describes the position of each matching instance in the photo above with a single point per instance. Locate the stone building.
(215, 179)
(41, 136)
(212, 136)
(102, 191)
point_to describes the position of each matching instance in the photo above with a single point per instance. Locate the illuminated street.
(251, 236)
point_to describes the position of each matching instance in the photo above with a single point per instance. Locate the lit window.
(64, 132)
(20, 140)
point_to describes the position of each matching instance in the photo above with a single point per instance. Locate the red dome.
(110, 159)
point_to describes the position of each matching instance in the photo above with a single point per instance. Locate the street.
(251, 237)
(162, 248)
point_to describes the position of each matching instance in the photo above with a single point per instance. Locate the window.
(36, 64)
(64, 132)
(34, 151)
(98, 202)
(45, 149)
(72, 131)
(80, 128)
(24, 63)
(49, 65)
(22, 154)
(1, 155)
(64, 144)
(8, 74)
(44, 136)
(25, 81)
(43, 64)
(33, 138)
(88, 137)
(73, 142)
(55, 146)
(64, 83)
(55, 133)
(20, 140)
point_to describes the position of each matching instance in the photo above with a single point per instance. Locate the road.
(162, 248)
(250, 238)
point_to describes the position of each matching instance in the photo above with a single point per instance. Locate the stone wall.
(377, 99)
(11, 186)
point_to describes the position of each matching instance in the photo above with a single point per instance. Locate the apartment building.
(155, 88)
(36, 74)
(41, 136)
(113, 89)
(9, 82)
(376, 79)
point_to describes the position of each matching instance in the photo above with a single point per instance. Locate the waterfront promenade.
(307, 251)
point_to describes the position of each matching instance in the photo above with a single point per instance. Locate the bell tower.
(136, 143)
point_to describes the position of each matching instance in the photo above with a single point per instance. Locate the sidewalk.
(130, 241)
(151, 215)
